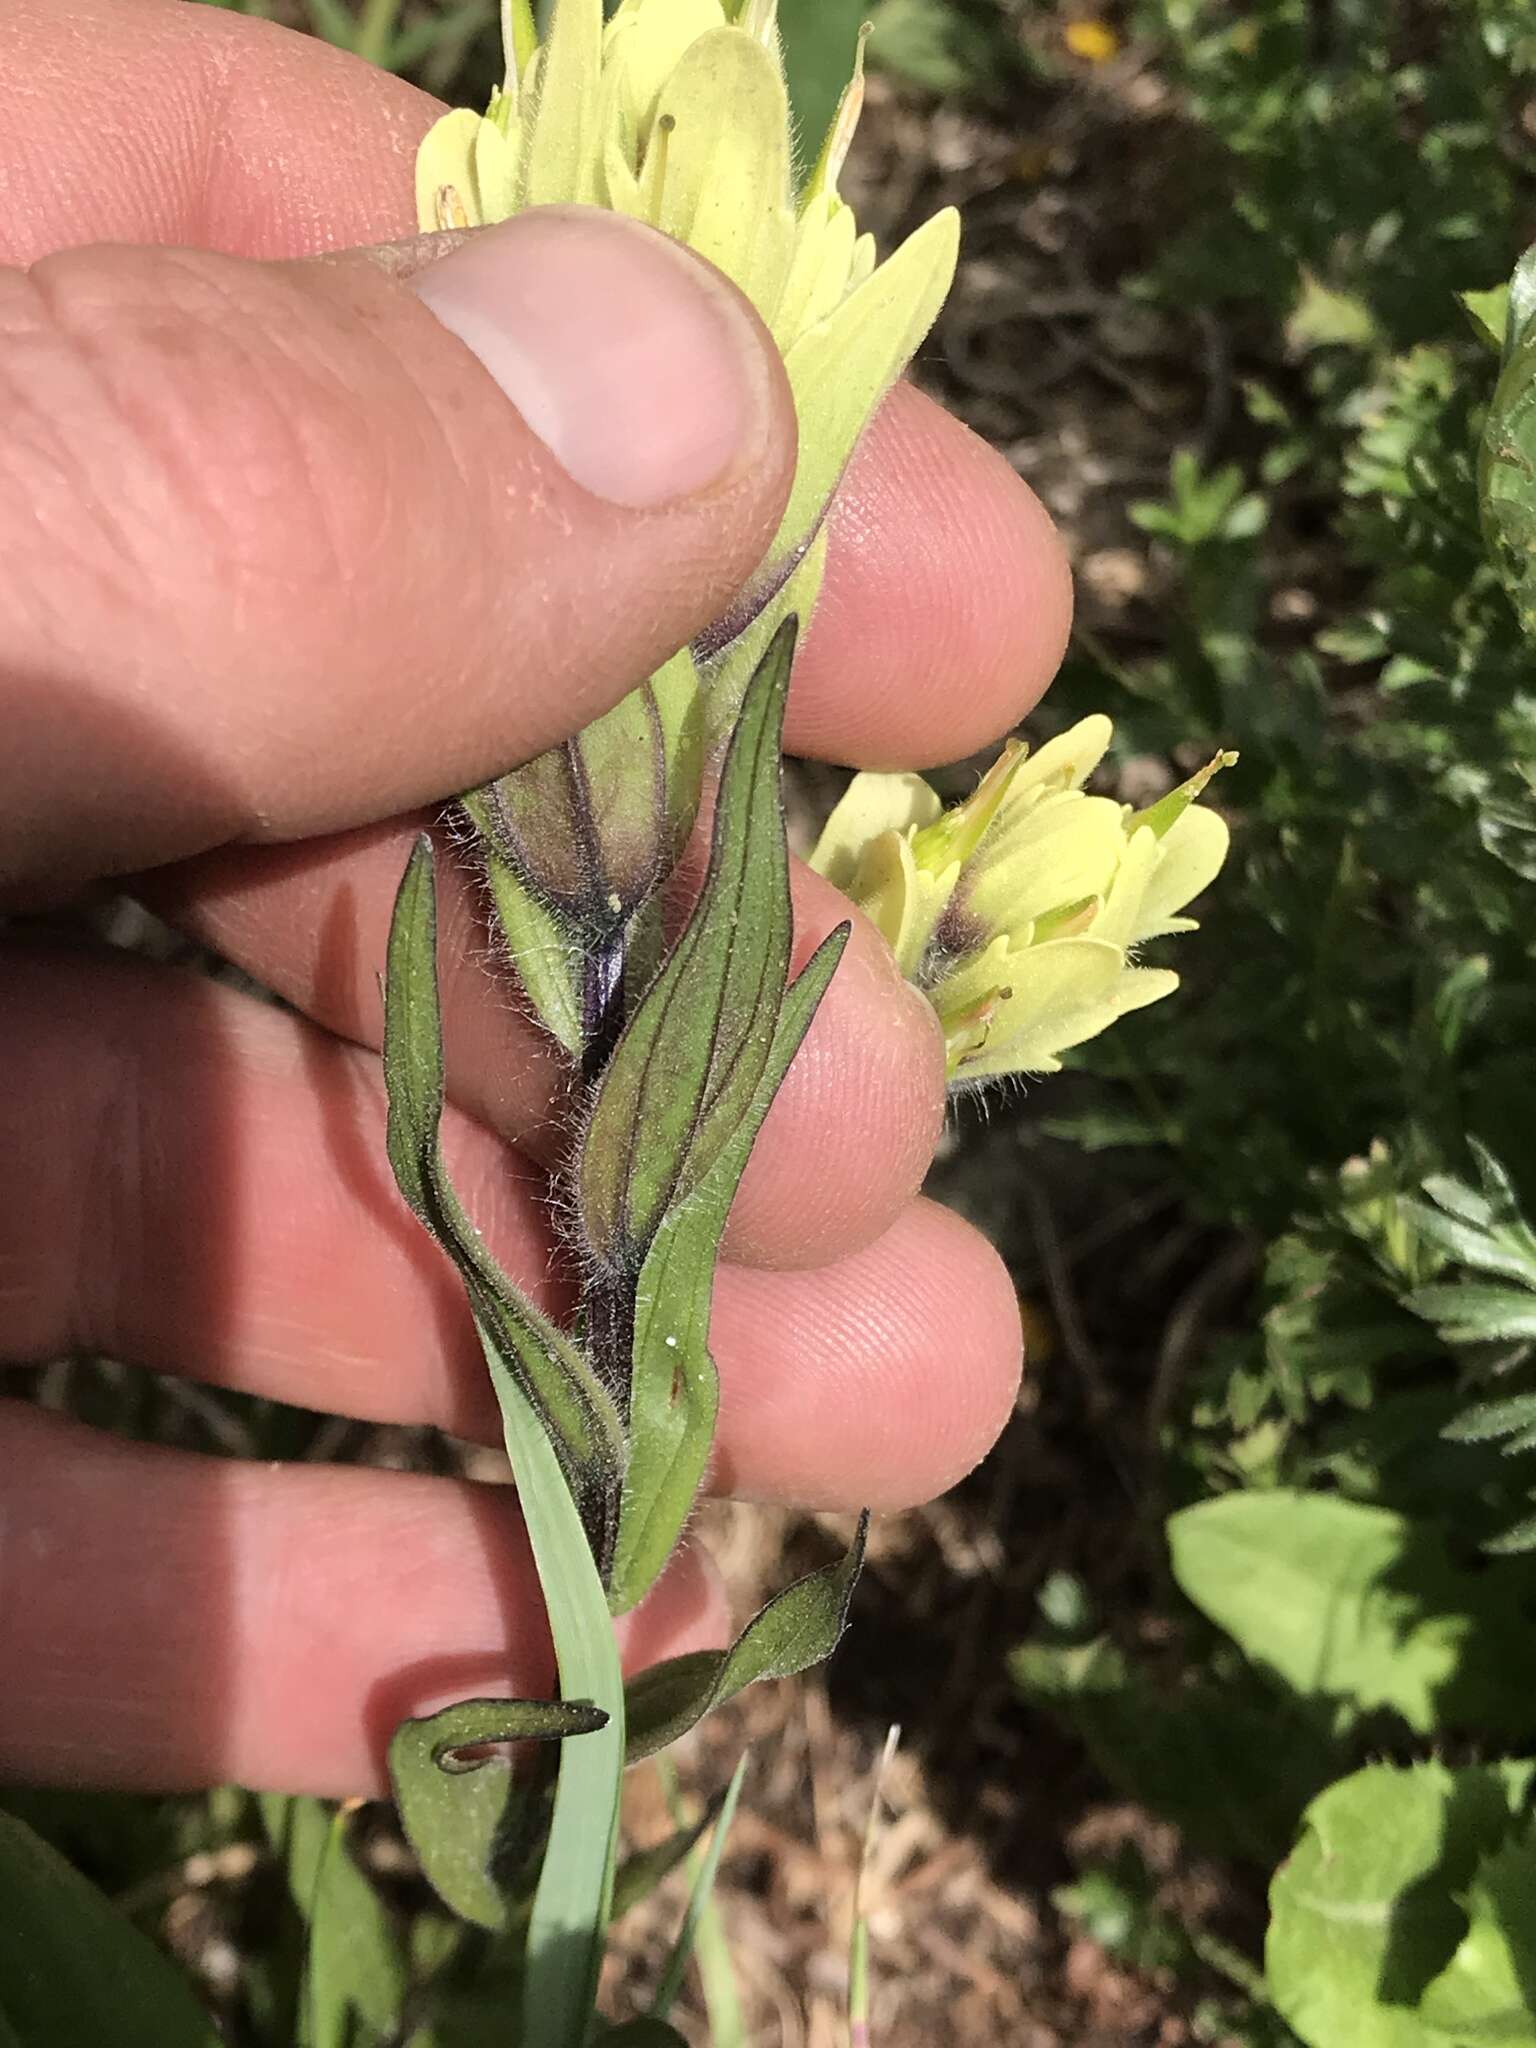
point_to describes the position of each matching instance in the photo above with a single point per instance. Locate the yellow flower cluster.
(1018, 911)
(675, 112)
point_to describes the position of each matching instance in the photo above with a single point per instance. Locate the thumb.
(292, 547)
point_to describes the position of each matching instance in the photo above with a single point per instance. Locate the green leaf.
(354, 1971)
(640, 1874)
(1507, 457)
(647, 2033)
(698, 1899)
(1487, 1251)
(547, 963)
(73, 1972)
(691, 1059)
(674, 1388)
(1356, 1604)
(573, 1902)
(574, 1409)
(468, 1817)
(1364, 1912)
(1487, 1991)
(1491, 1419)
(820, 37)
(584, 825)
(800, 1627)
(1469, 1314)
(1489, 314)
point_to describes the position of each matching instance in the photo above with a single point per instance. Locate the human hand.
(283, 564)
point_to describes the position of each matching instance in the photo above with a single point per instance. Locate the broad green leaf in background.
(1487, 1991)
(801, 1627)
(355, 1973)
(1365, 1914)
(940, 46)
(1360, 1606)
(73, 1972)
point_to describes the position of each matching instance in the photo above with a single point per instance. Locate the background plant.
(1261, 1356)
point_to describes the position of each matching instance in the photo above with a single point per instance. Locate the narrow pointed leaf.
(674, 1390)
(573, 1407)
(698, 1899)
(354, 1968)
(547, 963)
(799, 1628)
(572, 1904)
(693, 1054)
(1470, 1314)
(640, 1874)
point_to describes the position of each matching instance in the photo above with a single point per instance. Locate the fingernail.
(637, 368)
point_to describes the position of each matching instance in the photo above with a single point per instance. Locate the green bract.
(1018, 911)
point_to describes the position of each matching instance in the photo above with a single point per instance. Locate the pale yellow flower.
(1019, 911)
(675, 112)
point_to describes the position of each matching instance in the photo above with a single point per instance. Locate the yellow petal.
(840, 370)
(1191, 855)
(818, 274)
(497, 158)
(716, 172)
(870, 805)
(642, 46)
(1057, 995)
(1068, 847)
(1139, 986)
(1068, 760)
(519, 39)
(1120, 919)
(903, 903)
(447, 192)
(564, 149)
